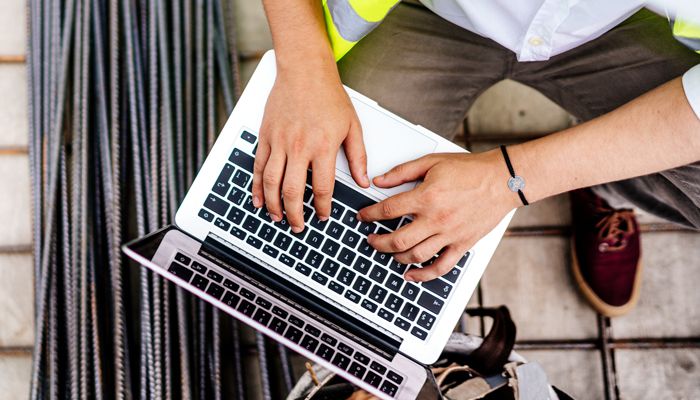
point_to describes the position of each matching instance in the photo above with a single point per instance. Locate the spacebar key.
(350, 197)
(242, 159)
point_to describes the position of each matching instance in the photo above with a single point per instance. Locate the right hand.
(307, 118)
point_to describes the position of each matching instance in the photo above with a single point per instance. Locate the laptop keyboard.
(333, 253)
(315, 339)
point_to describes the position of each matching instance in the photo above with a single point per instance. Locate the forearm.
(652, 133)
(299, 37)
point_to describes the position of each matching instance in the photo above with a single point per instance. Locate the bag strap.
(494, 351)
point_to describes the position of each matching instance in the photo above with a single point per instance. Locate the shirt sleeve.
(691, 86)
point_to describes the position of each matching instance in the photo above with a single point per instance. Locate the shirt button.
(535, 40)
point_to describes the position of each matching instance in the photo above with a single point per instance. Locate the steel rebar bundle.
(126, 98)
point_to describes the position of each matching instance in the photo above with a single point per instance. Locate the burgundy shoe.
(606, 253)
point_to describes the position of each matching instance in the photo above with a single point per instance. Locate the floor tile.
(16, 300)
(15, 202)
(658, 374)
(15, 375)
(511, 108)
(669, 298)
(13, 31)
(553, 211)
(530, 275)
(13, 109)
(579, 373)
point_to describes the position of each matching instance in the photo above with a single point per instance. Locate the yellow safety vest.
(348, 21)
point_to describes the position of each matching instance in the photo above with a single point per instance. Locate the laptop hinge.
(243, 265)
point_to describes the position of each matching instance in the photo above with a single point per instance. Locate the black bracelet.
(516, 183)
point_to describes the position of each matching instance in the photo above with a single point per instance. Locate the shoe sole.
(596, 302)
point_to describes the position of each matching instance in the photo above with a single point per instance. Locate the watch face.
(516, 183)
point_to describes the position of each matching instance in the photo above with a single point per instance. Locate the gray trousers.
(430, 71)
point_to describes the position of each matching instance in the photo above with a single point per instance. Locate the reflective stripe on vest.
(348, 21)
(687, 33)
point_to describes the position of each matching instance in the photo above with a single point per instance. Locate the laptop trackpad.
(389, 142)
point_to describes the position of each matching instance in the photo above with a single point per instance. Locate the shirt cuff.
(691, 86)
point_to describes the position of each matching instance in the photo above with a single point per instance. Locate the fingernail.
(359, 217)
(276, 218)
(408, 278)
(297, 229)
(366, 180)
(323, 218)
(256, 201)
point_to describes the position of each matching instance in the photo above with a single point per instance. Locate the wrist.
(498, 181)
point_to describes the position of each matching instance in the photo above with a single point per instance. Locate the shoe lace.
(614, 228)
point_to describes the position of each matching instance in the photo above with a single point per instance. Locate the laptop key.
(215, 276)
(308, 192)
(309, 343)
(230, 299)
(373, 379)
(362, 265)
(397, 267)
(287, 260)
(430, 302)
(426, 320)
(270, 251)
(199, 267)
(325, 352)
(385, 314)
(346, 276)
(341, 361)
(282, 241)
(439, 287)
(330, 268)
(362, 285)
(238, 233)
(392, 224)
(216, 204)
(236, 215)
(368, 305)
(329, 339)
(264, 214)
(463, 261)
(200, 282)
(357, 370)
(248, 205)
(294, 334)
(224, 176)
(336, 210)
(350, 219)
(320, 278)
(410, 291)
(409, 311)
(298, 250)
(394, 303)
(382, 258)
(377, 294)
(282, 224)
(221, 224)
(246, 308)
(264, 303)
(394, 377)
(377, 367)
(389, 388)
(361, 358)
(394, 282)
(378, 274)
(236, 196)
(402, 323)
(365, 248)
(206, 215)
(366, 228)
(255, 242)
(251, 224)
(262, 316)
(346, 256)
(229, 284)
(335, 230)
(314, 259)
(248, 137)
(330, 248)
(278, 326)
(267, 233)
(453, 275)
(183, 259)
(312, 330)
(345, 348)
(294, 320)
(419, 333)
(242, 159)
(180, 271)
(314, 239)
(336, 287)
(279, 312)
(317, 223)
(301, 234)
(308, 211)
(351, 239)
(303, 269)
(352, 296)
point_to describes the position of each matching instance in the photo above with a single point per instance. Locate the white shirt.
(536, 30)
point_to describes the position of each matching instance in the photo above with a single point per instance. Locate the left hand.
(461, 199)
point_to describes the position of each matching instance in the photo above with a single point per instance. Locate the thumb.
(406, 172)
(357, 156)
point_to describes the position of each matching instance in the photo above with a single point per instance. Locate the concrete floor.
(529, 272)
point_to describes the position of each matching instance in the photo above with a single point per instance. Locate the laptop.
(324, 293)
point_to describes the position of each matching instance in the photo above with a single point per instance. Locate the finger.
(406, 172)
(423, 251)
(393, 207)
(357, 156)
(272, 181)
(407, 237)
(293, 192)
(261, 157)
(322, 182)
(447, 260)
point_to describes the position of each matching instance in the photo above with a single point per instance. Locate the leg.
(596, 78)
(423, 68)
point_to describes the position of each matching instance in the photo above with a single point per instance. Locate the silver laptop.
(324, 293)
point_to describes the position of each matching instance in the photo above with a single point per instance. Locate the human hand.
(462, 198)
(306, 120)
